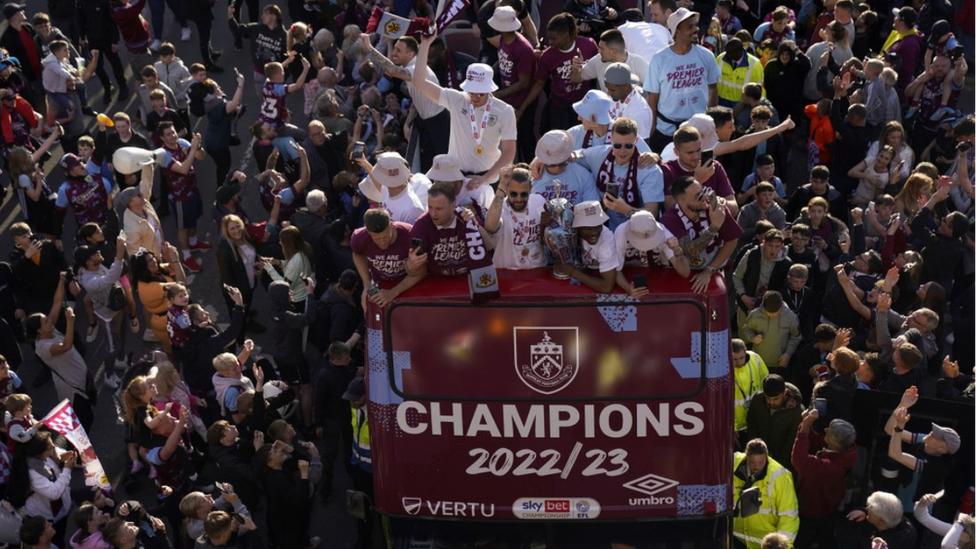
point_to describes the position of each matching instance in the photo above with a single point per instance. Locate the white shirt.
(632, 257)
(518, 242)
(483, 195)
(405, 207)
(645, 39)
(500, 127)
(596, 66)
(420, 185)
(637, 110)
(426, 107)
(602, 256)
(70, 366)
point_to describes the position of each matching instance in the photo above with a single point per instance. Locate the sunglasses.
(514, 194)
(704, 194)
(627, 146)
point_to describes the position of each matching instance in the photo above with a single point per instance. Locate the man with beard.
(613, 49)
(703, 225)
(675, 94)
(598, 249)
(515, 218)
(932, 108)
(452, 242)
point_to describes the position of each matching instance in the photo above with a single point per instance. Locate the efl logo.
(546, 358)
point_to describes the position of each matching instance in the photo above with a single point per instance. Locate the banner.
(393, 26)
(450, 10)
(63, 421)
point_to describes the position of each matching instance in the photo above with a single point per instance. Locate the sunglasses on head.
(627, 146)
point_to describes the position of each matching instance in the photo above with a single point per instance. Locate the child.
(150, 82)
(18, 420)
(777, 29)
(724, 12)
(300, 42)
(60, 78)
(197, 90)
(174, 74)
(89, 521)
(765, 171)
(177, 318)
(229, 382)
(941, 42)
(873, 178)
(92, 235)
(821, 133)
(800, 252)
(9, 382)
(878, 220)
(273, 109)
(162, 113)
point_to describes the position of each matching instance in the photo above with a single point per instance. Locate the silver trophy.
(560, 237)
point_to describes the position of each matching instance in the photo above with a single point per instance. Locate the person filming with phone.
(701, 164)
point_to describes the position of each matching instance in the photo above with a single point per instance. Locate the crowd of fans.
(810, 153)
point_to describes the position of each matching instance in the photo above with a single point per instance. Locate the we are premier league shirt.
(577, 185)
(557, 65)
(681, 81)
(447, 247)
(515, 59)
(680, 226)
(387, 267)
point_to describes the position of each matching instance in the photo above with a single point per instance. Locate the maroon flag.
(451, 11)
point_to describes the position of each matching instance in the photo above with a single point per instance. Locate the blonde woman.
(195, 507)
(172, 390)
(916, 191)
(238, 262)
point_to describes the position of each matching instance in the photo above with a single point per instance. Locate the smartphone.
(820, 404)
(220, 487)
(417, 244)
(964, 146)
(957, 53)
(282, 446)
(640, 280)
(613, 189)
(707, 156)
(358, 150)
(372, 290)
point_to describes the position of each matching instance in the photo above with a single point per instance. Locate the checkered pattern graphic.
(63, 419)
(692, 498)
(620, 318)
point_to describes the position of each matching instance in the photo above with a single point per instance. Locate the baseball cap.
(478, 79)
(391, 170)
(774, 385)
(643, 231)
(677, 17)
(618, 74)
(82, 253)
(843, 433)
(356, 389)
(225, 193)
(11, 10)
(588, 214)
(123, 198)
(445, 167)
(554, 147)
(939, 29)
(9, 61)
(907, 14)
(947, 435)
(70, 161)
(505, 19)
(595, 107)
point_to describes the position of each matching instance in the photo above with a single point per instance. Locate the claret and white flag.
(63, 421)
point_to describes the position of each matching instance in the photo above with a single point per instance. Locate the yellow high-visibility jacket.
(732, 78)
(779, 511)
(748, 383)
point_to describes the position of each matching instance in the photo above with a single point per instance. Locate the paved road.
(329, 520)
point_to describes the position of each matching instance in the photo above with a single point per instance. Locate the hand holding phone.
(707, 156)
(613, 189)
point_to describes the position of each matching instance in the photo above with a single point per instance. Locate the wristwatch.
(897, 429)
(711, 269)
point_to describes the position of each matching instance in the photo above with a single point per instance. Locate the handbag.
(116, 298)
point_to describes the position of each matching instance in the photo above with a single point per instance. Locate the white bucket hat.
(588, 214)
(677, 17)
(643, 231)
(391, 170)
(505, 19)
(595, 107)
(370, 191)
(445, 168)
(478, 79)
(554, 147)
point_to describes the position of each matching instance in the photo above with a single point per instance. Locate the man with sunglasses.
(483, 131)
(705, 228)
(515, 219)
(619, 173)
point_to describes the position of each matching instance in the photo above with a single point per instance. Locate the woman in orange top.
(151, 278)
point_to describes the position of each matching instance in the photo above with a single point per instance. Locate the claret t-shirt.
(389, 265)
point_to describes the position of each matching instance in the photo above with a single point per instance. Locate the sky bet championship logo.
(556, 508)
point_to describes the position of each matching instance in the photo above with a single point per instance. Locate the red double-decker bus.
(552, 406)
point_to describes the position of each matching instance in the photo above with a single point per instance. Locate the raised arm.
(426, 87)
(300, 83)
(387, 66)
(184, 167)
(235, 101)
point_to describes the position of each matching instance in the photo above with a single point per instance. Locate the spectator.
(785, 77)
(931, 455)
(885, 515)
(750, 372)
(778, 507)
(739, 69)
(612, 49)
(774, 331)
(775, 417)
(332, 413)
(765, 205)
(20, 40)
(759, 269)
(288, 498)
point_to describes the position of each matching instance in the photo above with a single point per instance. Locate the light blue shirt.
(681, 82)
(578, 133)
(578, 185)
(650, 181)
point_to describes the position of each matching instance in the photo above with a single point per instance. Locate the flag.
(63, 421)
(393, 26)
(449, 12)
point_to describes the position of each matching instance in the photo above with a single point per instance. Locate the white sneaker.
(121, 365)
(149, 337)
(111, 381)
(92, 332)
(185, 34)
(155, 45)
(134, 324)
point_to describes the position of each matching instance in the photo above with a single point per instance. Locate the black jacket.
(801, 197)
(330, 384)
(784, 84)
(941, 253)
(10, 41)
(201, 348)
(198, 10)
(232, 269)
(288, 507)
(315, 231)
(97, 25)
(850, 149)
(62, 9)
(34, 284)
(287, 326)
(750, 281)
